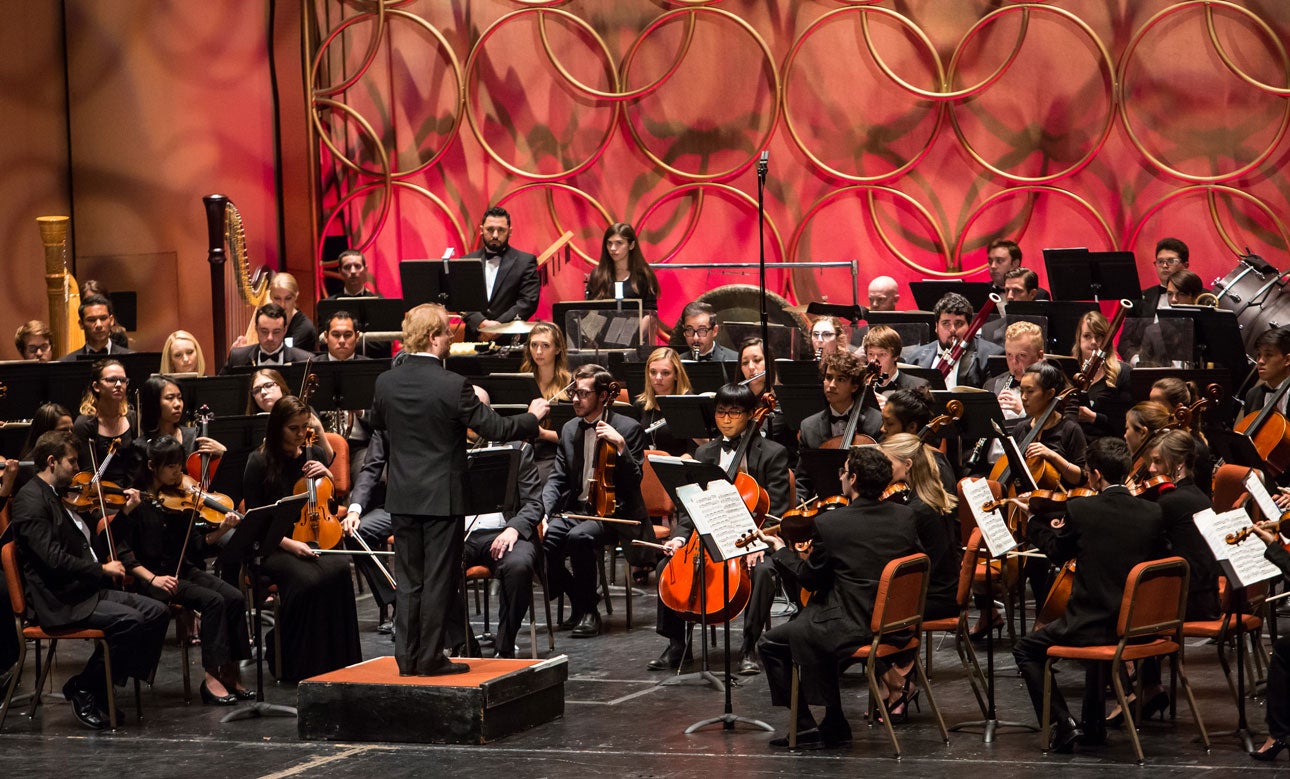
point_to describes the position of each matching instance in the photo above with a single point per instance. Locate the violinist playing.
(767, 462)
(842, 374)
(106, 417)
(595, 429)
(1060, 444)
(317, 616)
(909, 411)
(1110, 384)
(850, 546)
(171, 568)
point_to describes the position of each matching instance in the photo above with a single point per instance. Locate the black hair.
(150, 403)
(1176, 246)
(93, 300)
(497, 211)
(953, 303)
(910, 407)
(165, 450)
(272, 311)
(1110, 457)
(1051, 378)
(871, 469)
(736, 395)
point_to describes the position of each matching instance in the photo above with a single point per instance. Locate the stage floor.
(617, 723)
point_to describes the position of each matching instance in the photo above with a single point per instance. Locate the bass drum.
(1255, 292)
(741, 303)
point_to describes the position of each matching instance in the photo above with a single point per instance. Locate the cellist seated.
(767, 462)
(842, 374)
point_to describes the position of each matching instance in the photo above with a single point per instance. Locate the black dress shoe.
(211, 699)
(243, 694)
(835, 732)
(588, 626)
(570, 623)
(84, 706)
(447, 668)
(748, 665)
(671, 659)
(806, 739)
(1065, 734)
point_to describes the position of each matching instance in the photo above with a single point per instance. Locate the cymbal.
(518, 327)
(797, 309)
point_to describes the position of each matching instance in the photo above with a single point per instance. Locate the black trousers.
(765, 582)
(135, 626)
(8, 638)
(1031, 653)
(1278, 695)
(515, 574)
(223, 610)
(375, 527)
(428, 554)
(579, 541)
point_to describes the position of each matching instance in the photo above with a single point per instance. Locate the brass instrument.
(1207, 299)
(60, 286)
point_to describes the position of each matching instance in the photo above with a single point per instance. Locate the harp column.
(53, 234)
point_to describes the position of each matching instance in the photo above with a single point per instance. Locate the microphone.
(695, 350)
(763, 163)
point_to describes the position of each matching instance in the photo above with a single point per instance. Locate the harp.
(60, 286)
(236, 290)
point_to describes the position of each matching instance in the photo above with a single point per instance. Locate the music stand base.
(1243, 735)
(704, 677)
(257, 710)
(990, 727)
(728, 722)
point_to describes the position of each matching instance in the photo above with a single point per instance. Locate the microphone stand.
(763, 163)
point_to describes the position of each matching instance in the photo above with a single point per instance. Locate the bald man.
(884, 294)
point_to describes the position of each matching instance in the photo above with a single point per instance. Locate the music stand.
(25, 388)
(483, 364)
(376, 319)
(632, 374)
(240, 435)
(783, 340)
(928, 291)
(799, 401)
(821, 466)
(980, 408)
(1059, 318)
(932, 376)
(348, 385)
(710, 376)
(689, 416)
(798, 373)
(914, 327)
(601, 326)
(458, 285)
(260, 529)
(1078, 274)
(1217, 336)
(65, 382)
(223, 395)
(997, 364)
(508, 391)
(674, 473)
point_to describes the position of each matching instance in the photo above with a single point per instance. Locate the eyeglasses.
(37, 348)
(842, 473)
(263, 389)
(582, 394)
(702, 332)
(730, 412)
(1168, 262)
(824, 335)
(114, 380)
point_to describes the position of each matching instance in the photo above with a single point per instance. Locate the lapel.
(503, 270)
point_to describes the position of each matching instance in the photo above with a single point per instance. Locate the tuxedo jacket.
(425, 410)
(75, 355)
(515, 290)
(903, 381)
(1106, 534)
(239, 356)
(61, 576)
(1151, 299)
(850, 547)
(765, 461)
(971, 374)
(302, 332)
(719, 353)
(561, 491)
(816, 429)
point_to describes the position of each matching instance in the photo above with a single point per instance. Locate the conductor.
(425, 410)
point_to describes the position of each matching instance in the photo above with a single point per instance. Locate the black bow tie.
(705, 357)
(274, 358)
(836, 418)
(891, 385)
(729, 444)
(584, 425)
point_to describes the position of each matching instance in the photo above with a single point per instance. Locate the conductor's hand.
(114, 569)
(671, 545)
(538, 407)
(504, 543)
(351, 522)
(606, 432)
(774, 542)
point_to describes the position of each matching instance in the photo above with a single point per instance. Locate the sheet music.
(994, 530)
(1021, 476)
(720, 513)
(1262, 499)
(1242, 563)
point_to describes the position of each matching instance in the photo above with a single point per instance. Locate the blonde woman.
(664, 375)
(912, 462)
(182, 354)
(546, 357)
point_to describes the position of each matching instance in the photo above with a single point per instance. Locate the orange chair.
(26, 632)
(1005, 575)
(958, 625)
(1150, 625)
(1223, 629)
(898, 608)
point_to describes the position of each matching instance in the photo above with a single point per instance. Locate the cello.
(1269, 431)
(201, 467)
(602, 496)
(873, 374)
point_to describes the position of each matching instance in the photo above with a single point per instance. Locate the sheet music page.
(1254, 485)
(593, 322)
(1244, 562)
(719, 512)
(994, 530)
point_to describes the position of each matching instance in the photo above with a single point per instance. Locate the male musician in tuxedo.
(1019, 285)
(882, 345)
(850, 548)
(70, 587)
(425, 411)
(341, 337)
(1023, 346)
(510, 277)
(767, 463)
(1172, 255)
(700, 328)
(97, 320)
(1272, 361)
(1106, 535)
(842, 374)
(35, 341)
(272, 350)
(1002, 257)
(953, 315)
(352, 266)
(568, 489)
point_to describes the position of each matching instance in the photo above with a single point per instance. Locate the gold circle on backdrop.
(1027, 188)
(472, 60)
(864, 18)
(449, 135)
(373, 45)
(1122, 76)
(1211, 190)
(1107, 62)
(617, 94)
(366, 127)
(363, 190)
(549, 189)
(776, 86)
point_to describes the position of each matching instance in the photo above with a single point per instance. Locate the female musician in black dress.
(163, 543)
(318, 618)
(106, 417)
(622, 272)
(913, 464)
(664, 375)
(1061, 443)
(547, 358)
(161, 412)
(1110, 386)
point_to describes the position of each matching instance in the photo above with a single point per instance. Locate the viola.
(1152, 488)
(897, 492)
(602, 497)
(81, 493)
(953, 413)
(317, 525)
(873, 374)
(202, 467)
(793, 528)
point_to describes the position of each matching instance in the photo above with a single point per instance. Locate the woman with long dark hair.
(622, 272)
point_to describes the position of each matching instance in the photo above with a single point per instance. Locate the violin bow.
(199, 495)
(98, 488)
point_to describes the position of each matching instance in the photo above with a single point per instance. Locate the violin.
(1152, 488)
(201, 467)
(81, 493)
(804, 514)
(873, 374)
(317, 524)
(1059, 594)
(1041, 501)
(793, 528)
(602, 497)
(188, 496)
(953, 413)
(897, 492)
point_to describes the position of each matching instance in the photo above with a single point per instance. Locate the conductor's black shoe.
(671, 659)
(445, 668)
(588, 626)
(1065, 734)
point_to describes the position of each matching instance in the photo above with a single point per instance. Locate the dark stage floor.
(617, 722)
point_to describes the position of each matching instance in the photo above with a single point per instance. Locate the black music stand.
(65, 382)
(822, 466)
(783, 339)
(458, 285)
(241, 435)
(138, 365)
(980, 408)
(223, 395)
(928, 291)
(689, 416)
(799, 401)
(709, 376)
(1057, 318)
(1078, 274)
(255, 537)
(508, 391)
(932, 376)
(483, 364)
(997, 364)
(369, 313)
(797, 373)
(1217, 336)
(349, 385)
(25, 388)
(914, 327)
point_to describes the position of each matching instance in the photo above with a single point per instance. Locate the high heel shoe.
(1270, 752)
(978, 634)
(1157, 704)
(210, 698)
(899, 708)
